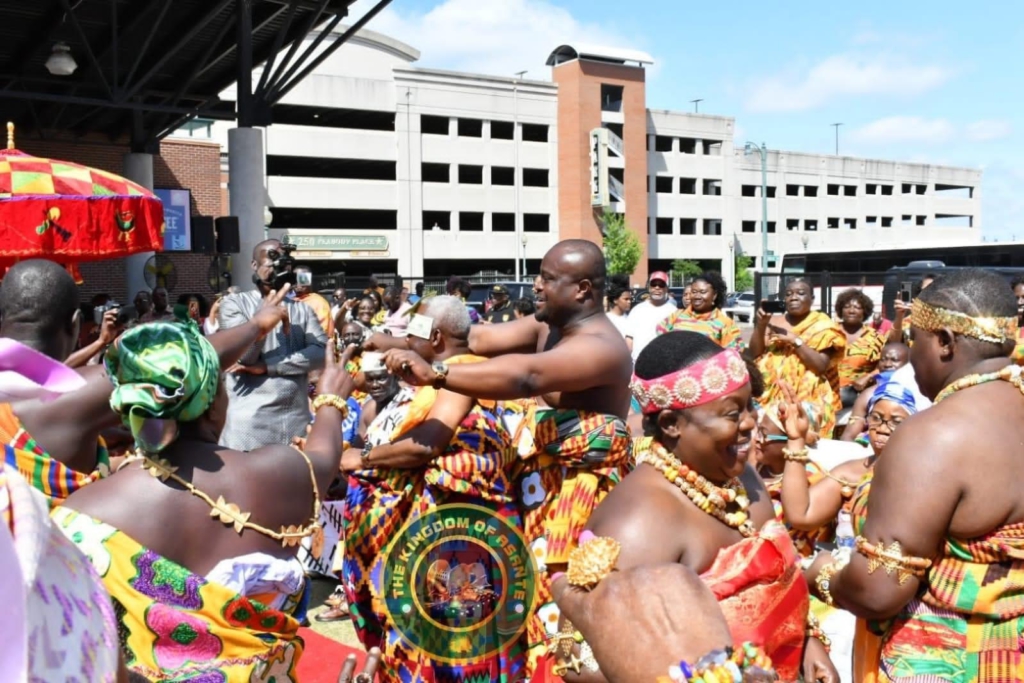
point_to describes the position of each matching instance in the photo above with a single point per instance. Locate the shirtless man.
(944, 505)
(573, 442)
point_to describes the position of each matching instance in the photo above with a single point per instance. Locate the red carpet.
(322, 660)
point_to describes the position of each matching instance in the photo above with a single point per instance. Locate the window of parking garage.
(471, 175)
(535, 177)
(663, 226)
(663, 184)
(324, 167)
(471, 128)
(534, 132)
(687, 226)
(433, 125)
(331, 117)
(502, 130)
(503, 222)
(536, 222)
(503, 175)
(341, 219)
(432, 220)
(436, 173)
(471, 221)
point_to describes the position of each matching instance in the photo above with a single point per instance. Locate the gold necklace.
(710, 498)
(231, 514)
(1011, 374)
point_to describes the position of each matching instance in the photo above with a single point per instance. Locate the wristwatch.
(798, 343)
(440, 369)
(364, 455)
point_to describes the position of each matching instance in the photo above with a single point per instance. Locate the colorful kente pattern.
(967, 624)
(862, 356)
(803, 540)
(175, 625)
(1018, 350)
(569, 461)
(715, 325)
(780, 363)
(53, 478)
(474, 469)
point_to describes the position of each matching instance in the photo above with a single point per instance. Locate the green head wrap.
(163, 373)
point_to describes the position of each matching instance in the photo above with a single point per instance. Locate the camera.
(283, 263)
(99, 311)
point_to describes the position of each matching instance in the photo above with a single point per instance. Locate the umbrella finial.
(10, 135)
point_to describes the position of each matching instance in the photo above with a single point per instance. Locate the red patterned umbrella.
(69, 213)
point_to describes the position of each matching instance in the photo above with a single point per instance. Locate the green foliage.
(686, 269)
(744, 281)
(622, 249)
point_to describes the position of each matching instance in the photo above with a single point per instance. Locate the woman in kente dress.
(702, 312)
(939, 558)
(801, 348)
(863, 344)
(694, 499)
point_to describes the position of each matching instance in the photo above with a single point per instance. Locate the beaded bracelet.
(814, 631)
(747, 663)
(802, 455)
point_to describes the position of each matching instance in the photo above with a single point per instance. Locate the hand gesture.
(864, 382)
(273, 311)
(794, 417)
(348, 669)
(902, 306)
(334, 379)
(669, 604)
(109, 329)
(409, 367)
(257, 368)
(763, 318)
(782, 337)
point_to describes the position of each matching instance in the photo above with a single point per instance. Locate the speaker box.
(227, 235)
(203, 239)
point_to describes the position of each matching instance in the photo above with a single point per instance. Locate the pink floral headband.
(695, 385)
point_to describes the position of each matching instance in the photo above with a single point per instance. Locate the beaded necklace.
(710, 498)
(1011, 374)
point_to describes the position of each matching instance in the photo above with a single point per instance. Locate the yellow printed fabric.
(861, 357)
(476, 468)
(175, 625)
(569, 461)
(780, 363)
(716, 326)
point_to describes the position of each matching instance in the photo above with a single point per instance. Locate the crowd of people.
(821, 497)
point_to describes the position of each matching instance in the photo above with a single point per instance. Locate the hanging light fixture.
(61, 62)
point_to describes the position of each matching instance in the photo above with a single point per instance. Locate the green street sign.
(337, 242)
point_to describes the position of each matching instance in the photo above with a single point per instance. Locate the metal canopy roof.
(146, 66)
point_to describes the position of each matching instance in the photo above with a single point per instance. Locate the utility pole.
(696, 105)
(836, 126)
(516, 137)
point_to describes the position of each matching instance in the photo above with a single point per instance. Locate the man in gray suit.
(268, 387)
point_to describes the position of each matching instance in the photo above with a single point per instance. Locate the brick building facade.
(182, 164)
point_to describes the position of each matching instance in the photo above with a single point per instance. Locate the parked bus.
(994, 255)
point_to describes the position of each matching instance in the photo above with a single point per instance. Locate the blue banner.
(177, 219)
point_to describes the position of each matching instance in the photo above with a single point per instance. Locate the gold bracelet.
(332, 400)
(892, 560)
(824, 581)
(801, 455)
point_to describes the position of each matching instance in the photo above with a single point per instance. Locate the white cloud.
(496, 37)
(917, 129)
(986, 131)
(844, 75)
(904, 129)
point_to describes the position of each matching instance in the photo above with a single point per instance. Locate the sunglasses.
(769, 438)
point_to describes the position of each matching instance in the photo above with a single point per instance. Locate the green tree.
(622, 249)
(744, 280)
(686, 269)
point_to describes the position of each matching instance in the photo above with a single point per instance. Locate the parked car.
(478, 297)
(741, 307)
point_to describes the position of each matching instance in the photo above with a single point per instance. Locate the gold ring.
(592, 561)
(405, 368)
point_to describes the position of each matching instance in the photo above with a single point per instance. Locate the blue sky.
(937, 82)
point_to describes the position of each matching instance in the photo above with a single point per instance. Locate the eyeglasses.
(875, 420)
(769, 438)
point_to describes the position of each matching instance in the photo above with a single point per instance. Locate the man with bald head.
(268, 387)
(57, 443)
(427, 447)
(571, 368)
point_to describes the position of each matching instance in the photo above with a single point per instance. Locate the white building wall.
(374, 72)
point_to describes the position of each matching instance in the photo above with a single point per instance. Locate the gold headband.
(931, 318)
